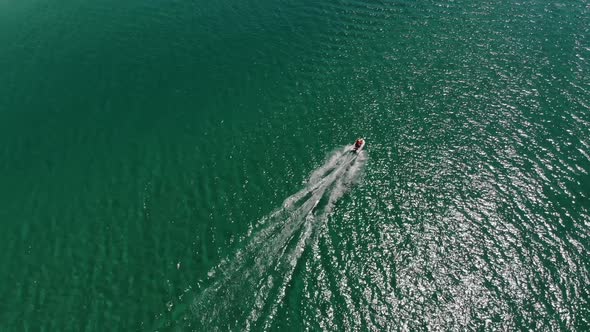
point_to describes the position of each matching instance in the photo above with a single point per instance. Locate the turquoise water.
(152, 153)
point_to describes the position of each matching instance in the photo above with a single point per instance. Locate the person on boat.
(358, 143)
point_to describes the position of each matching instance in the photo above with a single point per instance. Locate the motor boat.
(358, 145)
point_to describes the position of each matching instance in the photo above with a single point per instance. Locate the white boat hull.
(357, 150)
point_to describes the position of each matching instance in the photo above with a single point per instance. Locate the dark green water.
(147, 149)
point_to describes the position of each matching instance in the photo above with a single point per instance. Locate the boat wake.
(249, 288)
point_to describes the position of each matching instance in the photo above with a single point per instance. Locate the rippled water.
(146, 147)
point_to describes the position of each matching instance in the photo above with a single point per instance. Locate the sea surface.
(184, 165)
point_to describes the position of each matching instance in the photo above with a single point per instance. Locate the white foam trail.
(252, 284)
(318, 177)
(333, 161)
